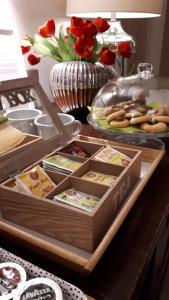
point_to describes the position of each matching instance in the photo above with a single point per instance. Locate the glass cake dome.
(133, 109)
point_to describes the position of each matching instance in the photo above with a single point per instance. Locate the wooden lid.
(34, 147)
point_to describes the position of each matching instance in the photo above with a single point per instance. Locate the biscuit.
(115, 115)
(138, 120)
(120, 124)
(164, 119)
(158, 127)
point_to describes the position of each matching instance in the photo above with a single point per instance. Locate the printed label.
(9, 279)
(38, 292)
(119, 195)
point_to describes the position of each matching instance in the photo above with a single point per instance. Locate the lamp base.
(123, 44)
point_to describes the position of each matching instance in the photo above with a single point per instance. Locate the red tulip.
(83, 46)
(101, 24)
(76, 31)
(83, 52)
(48, 29)
(90, 28)
(77, 26)
(107, 57)
(77, 22)
(85, 41)
(34, 58)
(25, 46)
(124, 49)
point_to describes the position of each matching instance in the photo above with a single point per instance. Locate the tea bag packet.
(10, 137)
(112, 156)
(78, 199)
(75, 150)
(35, 182)
(40, 289)
(61, 164)
(12, 278)
(99, 178)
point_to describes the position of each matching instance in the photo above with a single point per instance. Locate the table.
(134, 264)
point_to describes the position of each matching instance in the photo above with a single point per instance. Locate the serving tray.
(73, 257)
(70, 292)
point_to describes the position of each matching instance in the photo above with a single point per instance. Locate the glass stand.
(153, 142)
(132, 139)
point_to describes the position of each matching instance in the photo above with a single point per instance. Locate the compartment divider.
(88, 147)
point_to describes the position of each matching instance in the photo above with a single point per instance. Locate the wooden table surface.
(137, 255)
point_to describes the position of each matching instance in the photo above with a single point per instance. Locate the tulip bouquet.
(78, 44)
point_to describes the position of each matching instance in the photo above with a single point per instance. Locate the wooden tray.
(75, 258)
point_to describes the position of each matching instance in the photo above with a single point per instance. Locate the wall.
(29, 15)
(149, 36)
(164, 63)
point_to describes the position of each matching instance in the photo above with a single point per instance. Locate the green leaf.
(64, 52)
(47, 48)
(97, 47)
(70, 43)
(94, 58)
(30, 39)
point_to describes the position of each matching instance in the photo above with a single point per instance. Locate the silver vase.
(74, 84)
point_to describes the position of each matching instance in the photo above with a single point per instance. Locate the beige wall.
(149, 37)
(164, 64)
(29, 14)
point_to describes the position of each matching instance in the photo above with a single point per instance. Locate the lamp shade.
(122, 8)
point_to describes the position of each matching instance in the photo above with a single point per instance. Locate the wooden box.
(57, 220)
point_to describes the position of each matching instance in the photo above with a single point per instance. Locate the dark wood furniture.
(134, 264)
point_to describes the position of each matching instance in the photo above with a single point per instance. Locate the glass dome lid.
(134, 106)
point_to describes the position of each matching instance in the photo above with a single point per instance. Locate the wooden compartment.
(57, 220)
(100, 167)
(72, 157)
(56, 177)
(88, 147)
(65, 222)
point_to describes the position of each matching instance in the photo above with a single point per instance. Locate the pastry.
(133, 114)
(157, 127)
(120, 123)
(115, 115)
(164, 119)
(138, 120)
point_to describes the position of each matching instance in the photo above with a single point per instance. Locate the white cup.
(23, 119)
(46, 129)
